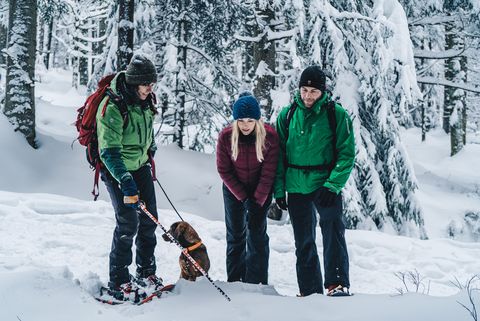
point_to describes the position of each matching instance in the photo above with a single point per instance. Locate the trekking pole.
(165, 193)
(184, 250)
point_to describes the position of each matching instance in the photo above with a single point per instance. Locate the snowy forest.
(390, 63)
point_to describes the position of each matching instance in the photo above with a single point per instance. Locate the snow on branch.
(226, 73)
(278, 35)
(435, 20)
(447, 83)
(249, 39)
(79, 36)
(428, 54)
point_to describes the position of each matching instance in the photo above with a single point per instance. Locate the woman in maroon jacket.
(247, 155)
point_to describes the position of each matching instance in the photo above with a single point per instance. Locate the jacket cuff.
(332, 188)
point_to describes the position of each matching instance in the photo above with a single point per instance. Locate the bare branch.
(471, 288)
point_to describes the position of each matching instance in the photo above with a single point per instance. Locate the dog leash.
(158, 182)
(184, 250)
(154, 177)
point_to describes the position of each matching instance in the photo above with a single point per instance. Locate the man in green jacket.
(313, 172)
(125, 140)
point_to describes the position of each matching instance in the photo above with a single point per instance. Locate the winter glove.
(326, 198)
(282, 203)
(130, 192)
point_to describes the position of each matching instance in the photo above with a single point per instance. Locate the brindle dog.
(189, 239)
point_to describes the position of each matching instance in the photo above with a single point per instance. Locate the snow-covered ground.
(54, 240)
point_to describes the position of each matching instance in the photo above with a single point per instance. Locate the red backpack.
(87, 125)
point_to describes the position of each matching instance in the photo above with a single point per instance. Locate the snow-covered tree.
(446, 39)
(20, 86)
(195, 50)
(49, 12)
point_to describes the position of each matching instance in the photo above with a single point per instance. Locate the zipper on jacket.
(139, 131)
(145, 122)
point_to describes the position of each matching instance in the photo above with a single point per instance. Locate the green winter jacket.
(123, 150)
(309, 144)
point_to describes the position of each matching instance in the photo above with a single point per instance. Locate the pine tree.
(446, 39)
(202, 77)
(19, 92)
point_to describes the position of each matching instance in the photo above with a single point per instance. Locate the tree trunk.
(3, 35)
(424, 125)
(40, 38)
(3, 43)
(100, 31)
(180, 87)
(75, 61)
(264, 62)
(126, 9)
(19, 97)
(48, 49)
(83, 60)
(455, 100)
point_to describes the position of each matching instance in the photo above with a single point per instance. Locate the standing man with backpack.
(125, 142)
(317, 153)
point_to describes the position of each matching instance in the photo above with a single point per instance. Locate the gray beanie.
(140, 70)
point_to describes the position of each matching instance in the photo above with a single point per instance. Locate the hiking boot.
(127, 292)
(150, 281)
(337, 290)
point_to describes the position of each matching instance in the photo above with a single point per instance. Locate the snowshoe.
(134, 294)
(338, 291)
(151, 282)
(158, 293)
(119, 294)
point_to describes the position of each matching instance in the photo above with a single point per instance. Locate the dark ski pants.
(301, 208)
(247, 240)
(130, 223)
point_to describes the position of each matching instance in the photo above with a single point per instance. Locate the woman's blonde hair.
(260, 135)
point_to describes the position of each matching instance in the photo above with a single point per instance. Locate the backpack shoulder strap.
(120, 103)
(332, 122)
(289, 116)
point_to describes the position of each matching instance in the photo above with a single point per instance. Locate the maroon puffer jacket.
(247, 177)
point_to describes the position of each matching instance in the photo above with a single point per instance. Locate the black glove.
(326, 198)
(282, 203)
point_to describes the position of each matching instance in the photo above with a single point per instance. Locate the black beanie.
(313, 76)
(140, 70)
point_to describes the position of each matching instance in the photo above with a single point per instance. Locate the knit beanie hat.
(246, 106)
(140, 70)
(314, 77)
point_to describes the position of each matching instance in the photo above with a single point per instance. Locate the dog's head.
(183, 233)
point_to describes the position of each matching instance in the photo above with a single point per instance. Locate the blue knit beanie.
(246, 106)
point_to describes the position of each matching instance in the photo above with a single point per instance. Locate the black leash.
(156, 180)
